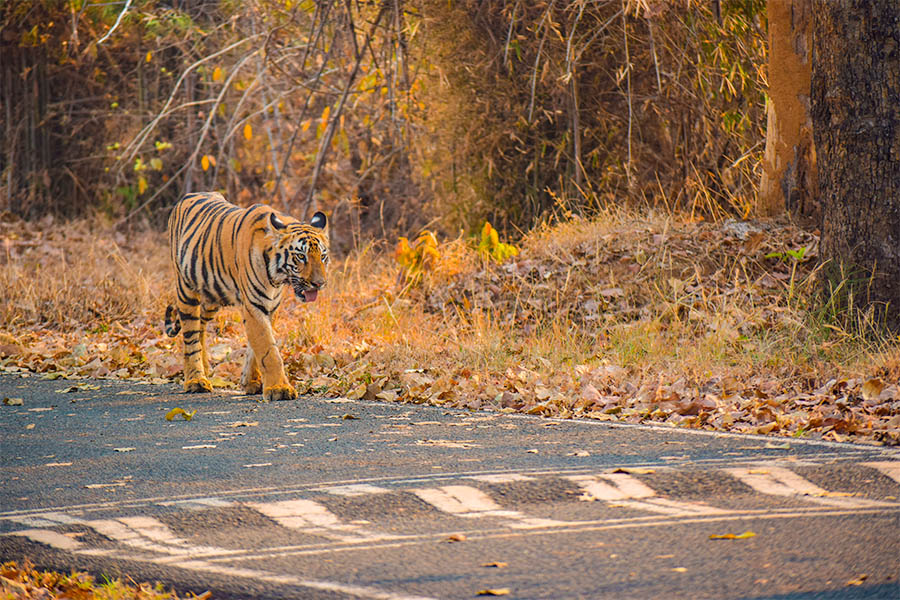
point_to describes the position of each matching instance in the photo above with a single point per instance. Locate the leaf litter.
(675, 322)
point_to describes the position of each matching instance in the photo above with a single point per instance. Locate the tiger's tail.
(173, 321)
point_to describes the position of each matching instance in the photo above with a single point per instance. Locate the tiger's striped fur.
(229, 256)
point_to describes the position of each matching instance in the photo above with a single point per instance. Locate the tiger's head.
(300, 255)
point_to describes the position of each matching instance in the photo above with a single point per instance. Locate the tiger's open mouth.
(304, 293)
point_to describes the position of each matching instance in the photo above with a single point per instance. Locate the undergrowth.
(631, 317)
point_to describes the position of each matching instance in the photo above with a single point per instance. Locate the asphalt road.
(336, 499)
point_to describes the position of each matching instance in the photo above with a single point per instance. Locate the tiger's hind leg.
(207, 312)
(251, 377)
(194, 336)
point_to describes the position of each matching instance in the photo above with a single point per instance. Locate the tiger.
(225, 255)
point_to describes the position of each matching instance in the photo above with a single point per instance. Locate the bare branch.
(116, 24)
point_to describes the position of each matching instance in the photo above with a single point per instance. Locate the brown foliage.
(384, 114)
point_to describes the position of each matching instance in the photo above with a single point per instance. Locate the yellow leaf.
(305, 125)
(217, 74)
(497, 565)
(731, 536)
(149, 56)
(679, 569)
(204, 162)
(142, 185)
(494, 592)
(180, 411)
(156, 164)
(324, 118)
(456, 537)
(219, 382)
(248, 132)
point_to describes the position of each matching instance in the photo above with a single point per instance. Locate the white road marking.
(150, 534)
(576, 527)
(145, 533)
(50, 538)
(313, 518)
(470, 502)
(198, 503)
(47, 519)
(621, 489)
(779, 481)
(620, 486)
(266, 491)
(890, 468)
(358, 489)
(502, 478)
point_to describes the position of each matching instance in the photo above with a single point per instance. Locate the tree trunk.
(789, 165)
(856, 125)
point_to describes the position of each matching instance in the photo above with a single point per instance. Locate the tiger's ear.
(318, 220)
(275, 222)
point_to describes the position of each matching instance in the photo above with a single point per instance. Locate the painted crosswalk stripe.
(150, 534)
(51, 538)
(145, 533)
(470, 502)
(621, 489)
(774, 480)
(47, 519)
(890, 468)
(314, 518)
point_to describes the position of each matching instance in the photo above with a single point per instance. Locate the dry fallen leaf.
(679, 569)
(13, 401)
(456, 537)
(123, 449)
(871, 389)
(732, 536)
(859, 580)
(493, 592)
(180, 411)
(497, 565)
(242, 423)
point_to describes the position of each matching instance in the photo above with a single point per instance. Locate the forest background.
(615, 145)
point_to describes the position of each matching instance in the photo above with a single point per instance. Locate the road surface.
(335, 499)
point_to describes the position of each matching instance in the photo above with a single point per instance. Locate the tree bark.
(856, 126)
(789, 164)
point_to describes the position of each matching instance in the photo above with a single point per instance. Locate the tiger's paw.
(251, 388)
(280, 391)
(197, 385)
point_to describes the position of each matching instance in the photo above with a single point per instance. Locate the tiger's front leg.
(194, 348)
(265, 356)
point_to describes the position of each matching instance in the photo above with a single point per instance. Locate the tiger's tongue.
(310, 295)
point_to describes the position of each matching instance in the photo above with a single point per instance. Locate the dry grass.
(23, 582)
(624, 317)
